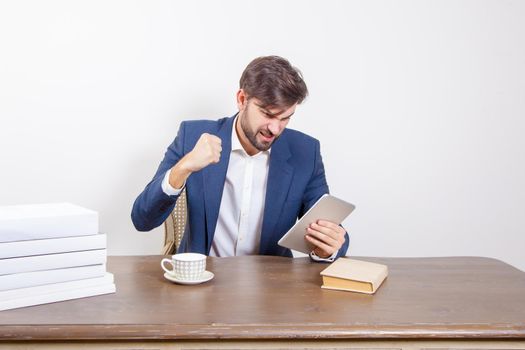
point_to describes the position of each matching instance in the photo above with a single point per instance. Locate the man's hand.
(207, 151)
(327, 237)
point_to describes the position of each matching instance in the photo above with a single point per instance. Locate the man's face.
(260, 126)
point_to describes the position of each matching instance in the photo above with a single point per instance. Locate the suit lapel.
(214, 176)
(280, 175)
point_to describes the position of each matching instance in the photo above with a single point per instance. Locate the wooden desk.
(271, 302)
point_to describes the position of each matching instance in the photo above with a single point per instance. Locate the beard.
(251, 135)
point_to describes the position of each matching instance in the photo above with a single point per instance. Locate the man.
(247, 177)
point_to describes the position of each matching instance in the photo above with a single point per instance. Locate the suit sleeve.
(317, 187)
(153, 206)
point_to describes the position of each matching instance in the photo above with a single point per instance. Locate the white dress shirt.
(239, 224)
(238, 230)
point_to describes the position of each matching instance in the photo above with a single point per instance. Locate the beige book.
(354, 275)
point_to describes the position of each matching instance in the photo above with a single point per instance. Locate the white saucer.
(206, 276)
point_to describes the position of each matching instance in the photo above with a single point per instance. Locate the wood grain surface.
(263, 297)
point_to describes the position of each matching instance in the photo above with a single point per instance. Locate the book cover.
(52, 246)
(62, 295)
(52, 261)
(55, 287)
(50, 220)
(38, 278)
(354, 275)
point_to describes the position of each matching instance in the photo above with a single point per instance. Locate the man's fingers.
(322, 229)
(327, 237)
(213, 145)
(328, 224)
(216, 157)
(330, 228)
(321, 249)
(321, 236)
(212, 139)
(325, 230)
(207, 151)
(328, 250)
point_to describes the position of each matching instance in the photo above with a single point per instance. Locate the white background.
(419, 107)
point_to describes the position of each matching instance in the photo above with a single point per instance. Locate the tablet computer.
(327, 208)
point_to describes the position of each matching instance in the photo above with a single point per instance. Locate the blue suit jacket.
(296, 180)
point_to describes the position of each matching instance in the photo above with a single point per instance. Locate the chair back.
(175, 225)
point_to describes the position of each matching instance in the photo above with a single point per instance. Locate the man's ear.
(242, 100)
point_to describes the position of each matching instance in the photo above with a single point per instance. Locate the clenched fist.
(207, 151)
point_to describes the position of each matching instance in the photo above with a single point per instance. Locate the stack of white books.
(49, 253)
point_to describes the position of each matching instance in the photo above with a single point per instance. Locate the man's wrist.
(178, 174)
(330, 258)
(167, 188)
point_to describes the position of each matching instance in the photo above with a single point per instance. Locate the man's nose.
(275, 126)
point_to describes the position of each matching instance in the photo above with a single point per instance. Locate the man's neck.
(245, 143)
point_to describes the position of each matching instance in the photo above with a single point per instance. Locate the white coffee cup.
(186, 266)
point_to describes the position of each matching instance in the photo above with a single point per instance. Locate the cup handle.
(164, 268)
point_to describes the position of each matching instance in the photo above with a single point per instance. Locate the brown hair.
(273, 81)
